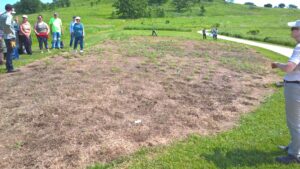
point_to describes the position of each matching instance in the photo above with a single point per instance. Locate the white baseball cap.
(294, 24)
(77, 18)
(25, 16)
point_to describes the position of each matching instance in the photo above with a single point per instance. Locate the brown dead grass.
(69, 113)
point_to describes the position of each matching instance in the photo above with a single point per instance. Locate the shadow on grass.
(241, 158)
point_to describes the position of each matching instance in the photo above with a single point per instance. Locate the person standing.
(204, 33)
(78, 31)
(6, 26)
(25, 32)
(17, 30)
(56, 30)
(42, 31)
(71, 31)
(292, 97)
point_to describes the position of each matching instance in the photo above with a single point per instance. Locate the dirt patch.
(122, 95)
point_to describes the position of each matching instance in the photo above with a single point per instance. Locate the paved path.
(285, 51)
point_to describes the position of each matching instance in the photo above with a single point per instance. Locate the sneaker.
(284, 148)
(288, 159)
(42, 51)
(13, 71)
(48, 50)
(81, 51)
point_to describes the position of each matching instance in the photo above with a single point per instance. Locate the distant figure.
(204, 33)
(78, 33)
(71, 31)
(214, 32)
(154, 32)
(17, 31)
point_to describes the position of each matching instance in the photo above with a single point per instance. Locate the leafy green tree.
(292, 6)
(131, 8)
(157, 2)
(268, 5)
(281, 5)
(28, 6)
(182, 4)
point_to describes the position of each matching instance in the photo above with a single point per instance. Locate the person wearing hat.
(9, 35)
(292, 97)
(71, 31)
(78, 31)
(25, 32)
(56, 30)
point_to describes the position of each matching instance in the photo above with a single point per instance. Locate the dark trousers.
(80, 41)
(43, 41)
(24, 41)
(9, 55)
(72, 39)
(204, 36)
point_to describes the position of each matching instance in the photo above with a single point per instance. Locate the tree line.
(34, 6)
(148, 8)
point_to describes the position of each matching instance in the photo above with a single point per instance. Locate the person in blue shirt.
(71, 31)
(78, 32)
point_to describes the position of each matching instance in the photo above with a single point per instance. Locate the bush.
(167, 22)
(253, 32)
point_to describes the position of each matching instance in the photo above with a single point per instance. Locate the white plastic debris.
(138, 122)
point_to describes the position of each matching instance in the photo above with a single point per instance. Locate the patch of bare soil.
(71, 112)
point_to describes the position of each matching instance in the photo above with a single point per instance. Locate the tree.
(157, 2)
(250, 3)
(268, 5)
(28, 6)
(182, 4)
(202, 10)
(131, 8)
(292, 6)
(281, 5)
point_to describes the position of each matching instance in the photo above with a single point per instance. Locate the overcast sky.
(273, 2)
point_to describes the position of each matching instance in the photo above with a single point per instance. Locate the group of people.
(214, 33)
(16, 39)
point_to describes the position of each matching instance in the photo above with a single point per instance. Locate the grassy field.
(252, 144)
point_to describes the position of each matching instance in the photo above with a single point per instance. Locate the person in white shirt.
(292, 97)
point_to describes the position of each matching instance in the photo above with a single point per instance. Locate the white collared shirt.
(295, 58)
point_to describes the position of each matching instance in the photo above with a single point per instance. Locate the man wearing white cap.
(25, 32)
(6, 26)
(292, 97)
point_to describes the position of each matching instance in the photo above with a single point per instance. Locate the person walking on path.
(292, 97)
(204, 33)
(6, 26)
(72, 38)
(25, 32)
(42, 31)
(78, 31)
(56, 30)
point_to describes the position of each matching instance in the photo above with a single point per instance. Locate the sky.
(274, 2)
(4, 2)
